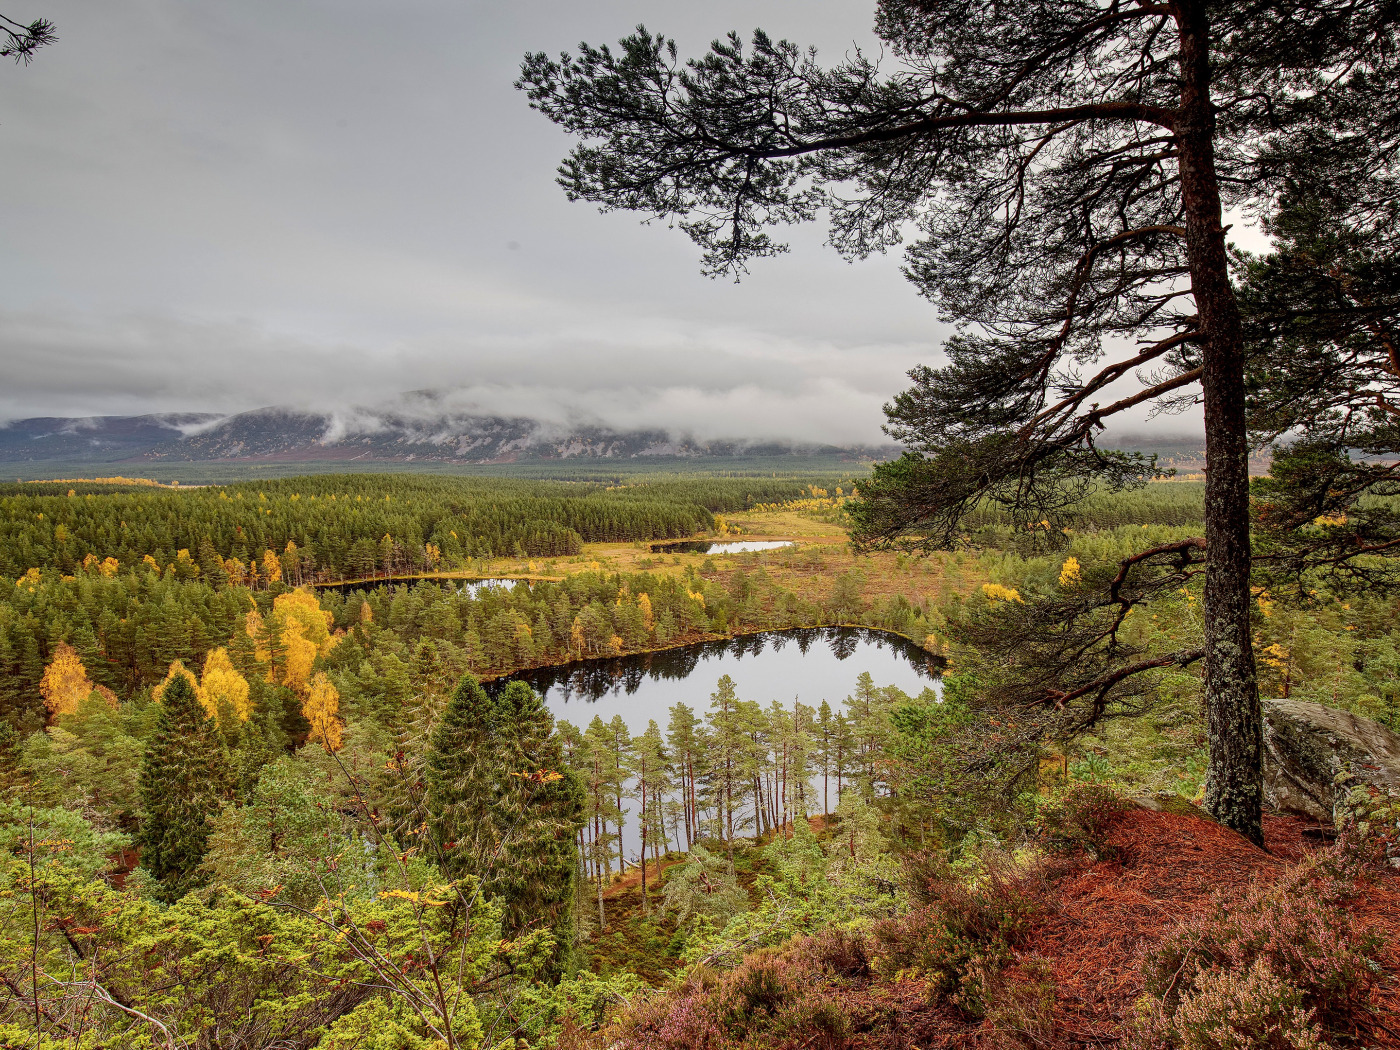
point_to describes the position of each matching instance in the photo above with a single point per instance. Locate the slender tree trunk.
(1288, 664)
(1234, 776)
(685, 797)
(643, 857)
(602, 916)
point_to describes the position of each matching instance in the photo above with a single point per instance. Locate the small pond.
(807, 664)
(718, 546)
(467, 587)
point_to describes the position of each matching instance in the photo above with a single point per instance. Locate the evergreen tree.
(502, 805)
(463, 773)
(651, 783)
(683, 736)
(619, 754)
(183, 781)
(539, 805)
(1068, 168)
(824, 750)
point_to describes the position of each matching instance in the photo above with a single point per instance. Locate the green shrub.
(1079, 820)
(963, 934)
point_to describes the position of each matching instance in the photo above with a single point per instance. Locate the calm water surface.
(724, 547)
(467, 587)
(808, 664)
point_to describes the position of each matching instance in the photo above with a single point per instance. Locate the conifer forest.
(1012, 734)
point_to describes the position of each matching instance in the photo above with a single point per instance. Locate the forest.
(247, 810)
(277, 775)
(338, 527)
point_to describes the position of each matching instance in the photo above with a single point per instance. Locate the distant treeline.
(1162, 503)
(343, 527)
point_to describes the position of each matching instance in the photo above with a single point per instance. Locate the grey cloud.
(214, 207)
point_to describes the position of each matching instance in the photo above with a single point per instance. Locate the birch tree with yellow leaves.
(321, 708)
(65, 683)
(223, 691)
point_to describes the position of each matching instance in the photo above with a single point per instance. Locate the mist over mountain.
(416, 430)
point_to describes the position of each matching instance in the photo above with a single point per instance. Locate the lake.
(810, 664)
(463, 586)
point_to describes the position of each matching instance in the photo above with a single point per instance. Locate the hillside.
(418, 430)
(1059, 953)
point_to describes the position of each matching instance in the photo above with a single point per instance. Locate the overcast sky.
(216, 206)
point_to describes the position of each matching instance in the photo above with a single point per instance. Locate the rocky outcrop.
(1317, 757)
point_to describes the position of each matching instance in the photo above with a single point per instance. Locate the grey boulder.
(1316, 756)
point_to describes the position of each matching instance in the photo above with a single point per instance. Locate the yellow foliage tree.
(65, 682)
(1069, 572)
(299, 658)
(222, 690)
(271, 567)
(177, 670)
(997, 593)
(322, 709)
(303, 631)
(186, 568)
(644, 604)
(257, 630)
(237, 571)
(302, 608)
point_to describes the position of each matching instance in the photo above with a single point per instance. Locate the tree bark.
(1234, 776)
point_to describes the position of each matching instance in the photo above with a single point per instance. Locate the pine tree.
(1061, 172)
(619, 753)
(539, 804)
(730, 755)
(183, 781)
(683, 735)
(462, 774)
(825, 751)
(503, 807)
(651, 783)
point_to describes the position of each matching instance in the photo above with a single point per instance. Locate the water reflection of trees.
(683, 547)
(591, 680)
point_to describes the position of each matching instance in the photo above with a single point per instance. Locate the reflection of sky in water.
(725, 547)
(468, 587)
(746, 546)
(810, 664)
(471, 588)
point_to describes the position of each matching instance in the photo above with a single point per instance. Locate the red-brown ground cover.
(1074, 975)
(1103, 917)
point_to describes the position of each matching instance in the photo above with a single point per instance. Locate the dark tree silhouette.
(20, 41)
(1064, 167)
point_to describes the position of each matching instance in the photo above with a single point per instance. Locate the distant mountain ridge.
(420, 433)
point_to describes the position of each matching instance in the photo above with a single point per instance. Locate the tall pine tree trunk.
(645, 829)
(1234, 777)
